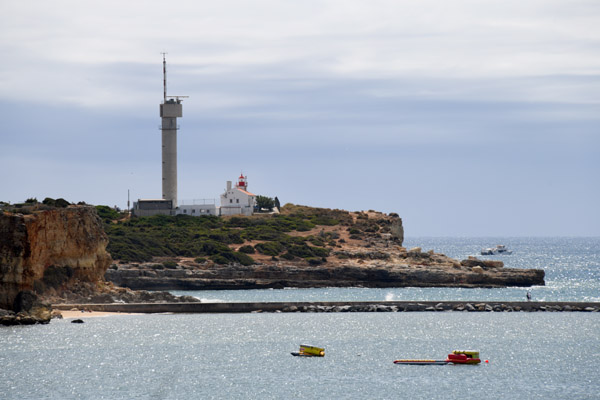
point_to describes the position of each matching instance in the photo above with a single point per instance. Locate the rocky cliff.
(50, 251)
(372, 267)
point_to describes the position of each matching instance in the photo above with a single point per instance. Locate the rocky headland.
(362, 249)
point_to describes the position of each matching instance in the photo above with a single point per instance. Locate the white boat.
(499, 249)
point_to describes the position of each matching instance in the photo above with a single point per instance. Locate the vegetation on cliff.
(289, 235)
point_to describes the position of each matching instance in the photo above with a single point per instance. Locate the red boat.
(456, 357)
(464, 357)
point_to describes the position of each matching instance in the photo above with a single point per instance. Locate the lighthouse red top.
(242, 182)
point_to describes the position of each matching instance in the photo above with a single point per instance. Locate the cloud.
(441, 111)
(54, 55)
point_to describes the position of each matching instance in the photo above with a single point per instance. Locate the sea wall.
(49, 250)
(332, 306)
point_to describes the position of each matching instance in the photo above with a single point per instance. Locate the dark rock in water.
(24, 301)
(77, 321)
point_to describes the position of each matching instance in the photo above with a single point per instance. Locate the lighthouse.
(238, 200)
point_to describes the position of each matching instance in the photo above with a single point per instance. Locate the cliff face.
(371, 267)
(351, 275)
(49, 250)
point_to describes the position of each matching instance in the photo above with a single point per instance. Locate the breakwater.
(333, 306)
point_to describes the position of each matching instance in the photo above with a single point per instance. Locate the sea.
(537, 355)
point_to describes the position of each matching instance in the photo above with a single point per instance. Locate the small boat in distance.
(456, 357)
(309, 351)
(499, 249)
(464, 357)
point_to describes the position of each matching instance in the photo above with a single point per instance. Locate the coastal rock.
(259, 276)
(477, 269)
(473, 262)
(24, 301)
(49, 250)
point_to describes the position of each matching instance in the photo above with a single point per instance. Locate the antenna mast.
(164, 78)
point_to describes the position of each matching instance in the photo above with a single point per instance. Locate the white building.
(237, 200)
(197, 208)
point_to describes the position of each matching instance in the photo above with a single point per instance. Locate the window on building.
(231, 200)
(237, 200)
(185, 211)
(193, 211)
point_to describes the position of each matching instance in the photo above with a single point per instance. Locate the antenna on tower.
(164, 77)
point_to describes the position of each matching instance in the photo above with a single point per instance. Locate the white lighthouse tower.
(170, 110)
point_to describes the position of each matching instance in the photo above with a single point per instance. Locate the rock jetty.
(328, 307)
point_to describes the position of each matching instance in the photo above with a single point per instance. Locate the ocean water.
(247, 356)
(225, 356)
(572, 267)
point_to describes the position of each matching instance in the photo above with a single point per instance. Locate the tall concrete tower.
(170, 110)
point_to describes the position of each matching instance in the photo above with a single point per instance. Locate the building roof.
(246, 192)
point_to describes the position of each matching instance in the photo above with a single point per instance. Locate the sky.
(465, 117)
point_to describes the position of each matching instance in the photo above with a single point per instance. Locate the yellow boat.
(310, 351)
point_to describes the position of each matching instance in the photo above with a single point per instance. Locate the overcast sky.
(467, 118)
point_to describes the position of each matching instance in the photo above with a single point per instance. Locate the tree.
(264, 202)
(277, 204)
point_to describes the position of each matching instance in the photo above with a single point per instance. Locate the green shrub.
(317, 241)
(219, 259)
(269, 248)
(247, 249)
(243, 259)
(170, 264)
(106, 213)
(62, 203)
(227, 258)
(142, 238)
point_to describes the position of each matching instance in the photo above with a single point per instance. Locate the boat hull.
(421, 362)
(296, 354)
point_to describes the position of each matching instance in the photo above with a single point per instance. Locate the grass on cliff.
(141, 239)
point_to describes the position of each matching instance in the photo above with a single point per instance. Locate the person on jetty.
(528, 295)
